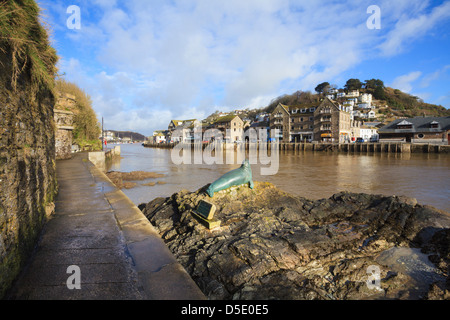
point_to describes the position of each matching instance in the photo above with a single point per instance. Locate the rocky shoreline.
(274, 245)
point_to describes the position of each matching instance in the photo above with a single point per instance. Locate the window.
(420, 135)
(404, 125)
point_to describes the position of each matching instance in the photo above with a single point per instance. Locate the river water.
(313, 175)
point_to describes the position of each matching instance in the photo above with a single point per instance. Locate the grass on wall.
(27, 39)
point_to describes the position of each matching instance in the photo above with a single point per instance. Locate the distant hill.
(129, 134)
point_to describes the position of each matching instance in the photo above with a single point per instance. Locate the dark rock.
(273, 245)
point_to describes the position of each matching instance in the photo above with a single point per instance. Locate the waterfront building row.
(326, 121)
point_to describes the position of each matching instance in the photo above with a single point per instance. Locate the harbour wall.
(380, 147)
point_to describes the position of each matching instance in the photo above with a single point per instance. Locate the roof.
(333, 103)
(303, 106)
(419, 124)
(177, 122)
(182, 123)
(226, 118)
(283, 107)
(260, 124)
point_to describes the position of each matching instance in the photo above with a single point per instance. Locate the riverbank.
(274, 245)
(98, 231)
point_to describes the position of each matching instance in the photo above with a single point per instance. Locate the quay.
(376, 147)
(98, 230)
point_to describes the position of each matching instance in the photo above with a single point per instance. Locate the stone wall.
(63, 138)
(27, 167)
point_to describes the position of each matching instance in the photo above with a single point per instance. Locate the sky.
(146, 62)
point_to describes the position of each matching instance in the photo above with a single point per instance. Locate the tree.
(373, 84)
(321, 87)
(86, 125)
(353, 84)
(379, 93)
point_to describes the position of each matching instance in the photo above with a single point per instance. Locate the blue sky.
(145, 62)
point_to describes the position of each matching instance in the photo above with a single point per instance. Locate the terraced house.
(178, 130)
(231, 126)
(332, 123)
(326, 121)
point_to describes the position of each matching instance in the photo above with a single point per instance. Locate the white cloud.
(188, 57)
(403, 82)
(434, 76)
(412, 24)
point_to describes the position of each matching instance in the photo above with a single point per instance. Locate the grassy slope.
(22, 34)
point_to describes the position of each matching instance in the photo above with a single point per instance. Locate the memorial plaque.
(205, 215)
(206, 209)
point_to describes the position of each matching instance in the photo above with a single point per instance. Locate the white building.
(159, 137)
(368, 134)
(367, 114)
(364, 106)
(262, 117)
(109, 136)
(353, 93)
(333, 90)
(365, 98)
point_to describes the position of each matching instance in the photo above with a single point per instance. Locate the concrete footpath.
(114, 251)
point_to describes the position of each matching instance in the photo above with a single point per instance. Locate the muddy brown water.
(313, 175)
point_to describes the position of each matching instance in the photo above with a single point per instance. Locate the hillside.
(402, 104)
(134, 136)
(391, 103)
(87, 127)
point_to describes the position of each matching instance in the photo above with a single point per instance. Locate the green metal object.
(236, 177)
